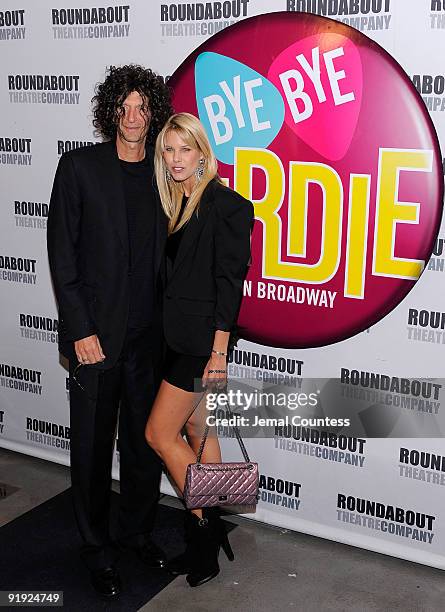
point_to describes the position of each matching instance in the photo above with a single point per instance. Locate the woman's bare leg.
(170, 412)
(195, 429)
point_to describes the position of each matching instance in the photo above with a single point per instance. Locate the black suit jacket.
(88, 249)
(204, 288)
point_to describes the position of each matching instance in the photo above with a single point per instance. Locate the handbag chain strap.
(237, 434)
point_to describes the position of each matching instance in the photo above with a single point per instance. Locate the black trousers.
(125, 393)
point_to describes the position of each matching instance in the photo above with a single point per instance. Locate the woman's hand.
(215, 372)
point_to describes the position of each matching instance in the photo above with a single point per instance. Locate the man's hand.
(89, 350)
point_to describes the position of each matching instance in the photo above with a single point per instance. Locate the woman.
(208, 251)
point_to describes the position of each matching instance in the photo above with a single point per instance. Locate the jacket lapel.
(112, 179)
(194, 226)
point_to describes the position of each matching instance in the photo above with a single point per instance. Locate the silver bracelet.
(219, 352)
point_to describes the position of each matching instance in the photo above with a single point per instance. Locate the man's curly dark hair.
(118, 84)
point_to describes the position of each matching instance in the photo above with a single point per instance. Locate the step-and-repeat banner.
(332, 136)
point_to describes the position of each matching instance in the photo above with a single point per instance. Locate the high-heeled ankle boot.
(215, 513)
(182, 563)
(209, 534)
(205, 548)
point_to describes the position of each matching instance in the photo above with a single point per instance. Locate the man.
(106, 233)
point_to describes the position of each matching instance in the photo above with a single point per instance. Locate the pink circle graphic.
(323, 130)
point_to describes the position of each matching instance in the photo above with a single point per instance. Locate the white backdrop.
(303, 482)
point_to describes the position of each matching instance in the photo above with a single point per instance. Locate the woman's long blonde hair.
(192, 132)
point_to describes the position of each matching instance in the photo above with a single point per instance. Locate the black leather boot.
(208, 535)
(205, 548)
(223, 539)
(182, 564)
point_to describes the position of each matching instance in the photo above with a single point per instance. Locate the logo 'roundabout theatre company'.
(322, 129)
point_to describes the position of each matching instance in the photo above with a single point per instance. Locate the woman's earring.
(168, 176)
(199, 170)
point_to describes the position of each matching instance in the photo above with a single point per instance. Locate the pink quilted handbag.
(221, 484)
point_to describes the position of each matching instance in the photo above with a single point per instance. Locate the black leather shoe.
(152, 555)
(106, 582)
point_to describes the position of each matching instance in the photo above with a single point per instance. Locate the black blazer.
(204, 288)
(88, 249)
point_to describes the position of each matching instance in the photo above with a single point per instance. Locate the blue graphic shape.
(238, 106)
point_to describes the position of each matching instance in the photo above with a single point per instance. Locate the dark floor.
(274, 569)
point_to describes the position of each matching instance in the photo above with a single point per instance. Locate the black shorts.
(184, 371)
